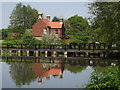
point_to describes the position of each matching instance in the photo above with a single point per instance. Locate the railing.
(73, 46)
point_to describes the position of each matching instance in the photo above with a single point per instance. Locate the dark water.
(51, 73)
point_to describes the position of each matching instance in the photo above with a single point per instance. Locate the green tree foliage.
(5, 33)
(108, 79)
(23, 17)
(100, 68)
(22, 73)
(105, 24)
(77, 29)
(75, 68)
(55, 19)
(51, 39)
(26, 38)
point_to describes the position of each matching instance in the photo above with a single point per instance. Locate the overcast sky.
(65, 9)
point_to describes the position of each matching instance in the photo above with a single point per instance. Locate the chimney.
(61, 19)
(40, 15)
(48, 17)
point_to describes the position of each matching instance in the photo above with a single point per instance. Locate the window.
(44, 31)
(56, 31)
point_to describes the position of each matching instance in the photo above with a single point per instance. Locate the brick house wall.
(42, 24)
(38, 27)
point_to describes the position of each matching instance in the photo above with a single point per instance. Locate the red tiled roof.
(46, 21)
(40, 71)
(56, 24)
(53, 24)
(55, 71)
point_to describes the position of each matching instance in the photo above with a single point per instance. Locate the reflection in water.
(46, 69)
(75, 68)
(24, 73)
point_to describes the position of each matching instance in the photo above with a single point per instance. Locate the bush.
(48, 39)
(106, 80)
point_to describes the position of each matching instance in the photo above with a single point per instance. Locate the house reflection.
(44, 70)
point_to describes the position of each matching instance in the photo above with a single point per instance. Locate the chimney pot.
(40, 15)
(48, 17)
(61, 19)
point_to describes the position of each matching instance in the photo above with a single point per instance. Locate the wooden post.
(79, 46)
(70, 46)
(11, 45)
(1, 51)
(54, 54)
(53, 46)
(84, 54)
(104, 45)
(99, 54)
(89, 46)
(35, 46)
(87, 53)
(65, 54)
(7, 46)
(65, 47)
(37, 53)
(21, 46)
(104, 54)
(10, 52)
(84, 45)
(46, 53)
(98, 46)
(50, 47)
(19, 53)
(28, 53)
(79, 54)
(74, 46)
(94, 46)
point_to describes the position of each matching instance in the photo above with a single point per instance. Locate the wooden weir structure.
(72, 49)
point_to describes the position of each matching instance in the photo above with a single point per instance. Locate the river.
(51, 73)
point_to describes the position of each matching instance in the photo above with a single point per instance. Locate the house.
(45, 26)
(45, 70)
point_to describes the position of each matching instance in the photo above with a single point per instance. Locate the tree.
(109, 79)
(51, 39)
(28, 38)
(5, 33)
(23, 17)
(77, 29)
(55, 19)
(75, 68)
(105, 24)
(22, 73)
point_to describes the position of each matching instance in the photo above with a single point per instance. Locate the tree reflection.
(75, 68)
(100, 68)
(22, 73)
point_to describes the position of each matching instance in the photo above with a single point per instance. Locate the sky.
(64, 9)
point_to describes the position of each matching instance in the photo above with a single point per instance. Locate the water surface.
(51, 73)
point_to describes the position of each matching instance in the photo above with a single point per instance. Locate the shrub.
(106, 80)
